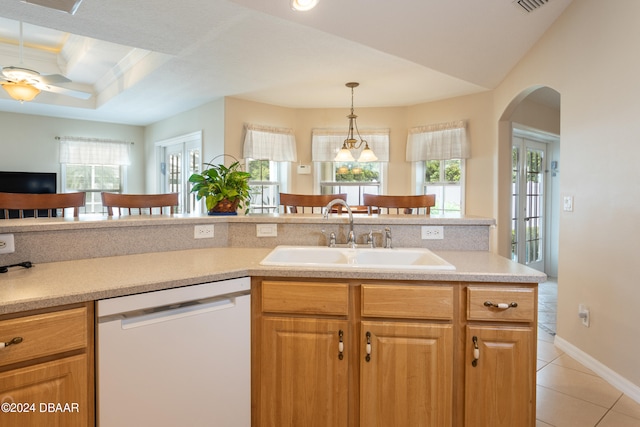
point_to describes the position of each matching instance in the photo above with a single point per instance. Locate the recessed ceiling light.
(303, 5)
(68, 6)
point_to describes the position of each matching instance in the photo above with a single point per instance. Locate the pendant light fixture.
(344, 155)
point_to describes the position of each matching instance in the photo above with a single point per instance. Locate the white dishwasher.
(177, 357)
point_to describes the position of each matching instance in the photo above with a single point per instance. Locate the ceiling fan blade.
(52, 79)
(64, 91)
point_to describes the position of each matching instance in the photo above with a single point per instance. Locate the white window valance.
(269, 143)
(442, 141)
(94, 151)
(325, 144)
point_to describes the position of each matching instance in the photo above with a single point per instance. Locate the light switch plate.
(568, 203)
(7, 244)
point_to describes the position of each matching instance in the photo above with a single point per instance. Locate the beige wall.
(587, 56)
(475, 108)
(480, 198)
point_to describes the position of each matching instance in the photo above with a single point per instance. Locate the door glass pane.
(174, 175)
(515, 201)
(534, 207)
(193, 156)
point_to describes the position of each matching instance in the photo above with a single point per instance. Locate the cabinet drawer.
(407, 302)
(43, 334)
(305, 298)
(520, 304)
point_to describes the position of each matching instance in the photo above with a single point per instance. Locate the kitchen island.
(470, 323)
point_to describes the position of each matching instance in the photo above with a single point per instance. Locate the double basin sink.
(321, 256)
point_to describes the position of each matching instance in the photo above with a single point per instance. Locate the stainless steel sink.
(320, 256)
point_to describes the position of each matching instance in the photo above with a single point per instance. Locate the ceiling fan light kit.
(21, 91)
(23, 84)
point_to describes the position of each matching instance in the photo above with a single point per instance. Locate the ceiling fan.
(23, 84)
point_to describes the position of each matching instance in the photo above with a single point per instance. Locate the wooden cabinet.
(300, 362)
(406, 380)
(47, 377)
(307, 382)
(385, 353)
(406, 359)
(500, 362)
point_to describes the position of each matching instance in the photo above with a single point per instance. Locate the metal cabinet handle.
(340, 344)
(502, 305)
(368, 348)
(16, 340)
(476, 352)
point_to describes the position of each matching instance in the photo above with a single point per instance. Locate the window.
(439, 151)
(93, 179)
(93, 166)
(267, 178)
(352, 178)
(267, 151)
(444, 179)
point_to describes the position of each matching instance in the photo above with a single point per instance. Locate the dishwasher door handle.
(174, 312)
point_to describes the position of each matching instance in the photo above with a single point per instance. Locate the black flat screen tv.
(27, 182)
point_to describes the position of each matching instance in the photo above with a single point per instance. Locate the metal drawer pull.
(368, 357)
(16, 340)
(476, 352)
(340, 345)
(502, 305)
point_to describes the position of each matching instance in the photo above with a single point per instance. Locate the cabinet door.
(500, 385)
(407, 380)
(51, 394)
(303, 374)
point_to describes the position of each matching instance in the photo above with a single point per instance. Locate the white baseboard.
(610, 376)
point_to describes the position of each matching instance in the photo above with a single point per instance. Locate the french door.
(179, 158)
(528, 202)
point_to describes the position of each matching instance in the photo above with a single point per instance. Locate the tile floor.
(569, 394)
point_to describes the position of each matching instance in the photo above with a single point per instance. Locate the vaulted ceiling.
(147, 60)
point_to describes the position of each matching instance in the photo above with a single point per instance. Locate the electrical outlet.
(7, 244)
(267, 230)
(432, 232)
(585, 314)
(203, 231)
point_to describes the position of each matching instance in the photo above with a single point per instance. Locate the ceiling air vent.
(531, 5)
(68, 6)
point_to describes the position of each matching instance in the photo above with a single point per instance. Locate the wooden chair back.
(308, 203)
(139, 203)
(37, 203)
(394, 204)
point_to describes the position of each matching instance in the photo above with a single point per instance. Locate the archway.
(533, 115)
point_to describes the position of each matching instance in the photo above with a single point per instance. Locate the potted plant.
(225, 189)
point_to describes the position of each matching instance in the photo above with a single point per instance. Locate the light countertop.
(65, 282)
